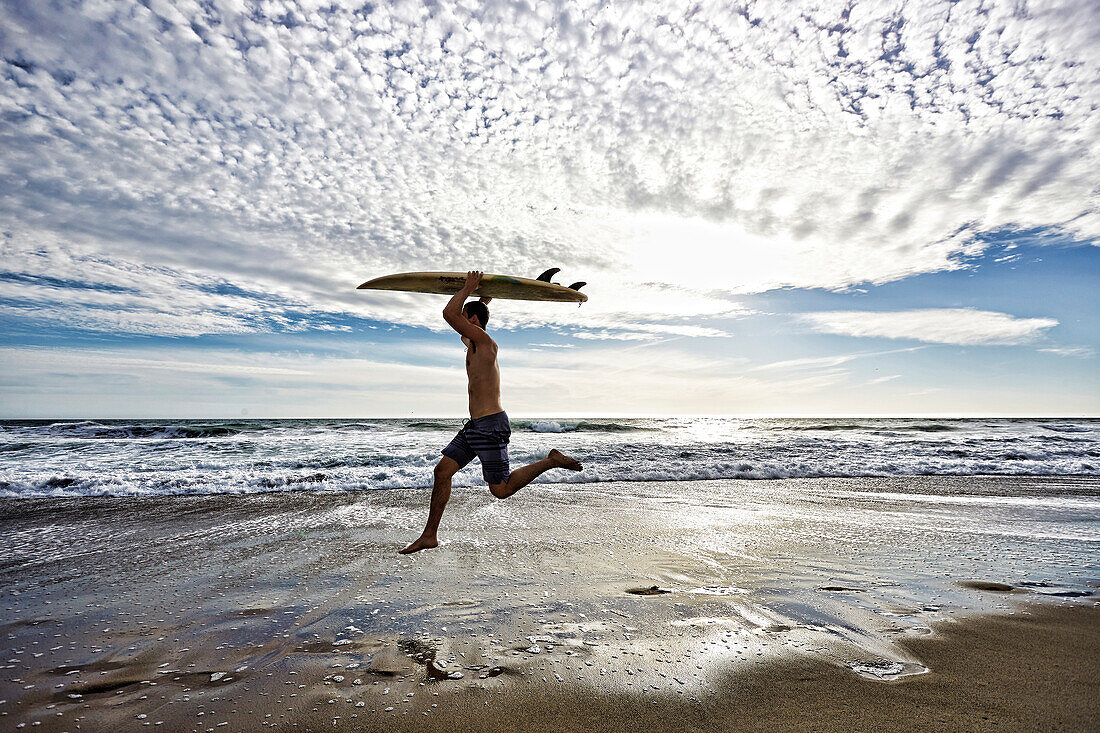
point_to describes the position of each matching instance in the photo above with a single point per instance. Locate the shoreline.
(478, 484)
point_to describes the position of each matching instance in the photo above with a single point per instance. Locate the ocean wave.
(154, 457)
(15, 447)
(419, 476)
(612, 427)
(357, 427)
(824, 427)
(546, 426)
(877, 427)
(88, 430)
(277, 481)
(1069, 428)
(582, 426)
(771, 472)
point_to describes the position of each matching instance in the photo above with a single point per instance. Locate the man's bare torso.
(484, 379)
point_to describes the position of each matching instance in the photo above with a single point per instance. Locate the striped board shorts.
(487, 438)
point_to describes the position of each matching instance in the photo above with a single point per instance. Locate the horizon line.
(602, 416)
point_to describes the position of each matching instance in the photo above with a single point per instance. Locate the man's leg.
(526, 474)
(441, 492)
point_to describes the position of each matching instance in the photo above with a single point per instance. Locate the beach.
(812, 604)
(773, 324)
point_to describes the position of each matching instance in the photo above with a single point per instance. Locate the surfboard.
(506, 287)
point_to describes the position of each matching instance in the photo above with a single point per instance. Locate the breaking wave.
(584, 426)
(132, 458)
(89, 430)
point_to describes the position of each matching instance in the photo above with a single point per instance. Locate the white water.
(162, 457)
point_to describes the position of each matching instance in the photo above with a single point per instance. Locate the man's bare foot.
(421, 544)
(563, 461)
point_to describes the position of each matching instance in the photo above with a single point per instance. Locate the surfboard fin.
(578, 285)
(545, 277)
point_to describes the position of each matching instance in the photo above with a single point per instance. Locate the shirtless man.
(486, 433)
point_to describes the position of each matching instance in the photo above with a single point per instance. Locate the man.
(486, 433)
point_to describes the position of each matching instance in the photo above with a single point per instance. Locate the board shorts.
(487, 438)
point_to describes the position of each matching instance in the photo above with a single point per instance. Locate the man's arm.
(453, 312)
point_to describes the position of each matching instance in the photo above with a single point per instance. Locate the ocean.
(59, 458)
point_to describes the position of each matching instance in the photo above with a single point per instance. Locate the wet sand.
(1038, 669)
(1023, 672)
(790, 605)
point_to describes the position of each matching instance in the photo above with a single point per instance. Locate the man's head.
(476, 310)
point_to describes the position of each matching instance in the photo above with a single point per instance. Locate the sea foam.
(150, 457)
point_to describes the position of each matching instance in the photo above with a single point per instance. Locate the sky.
(780, 208)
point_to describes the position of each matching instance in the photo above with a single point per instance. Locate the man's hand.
(486, 299)
(473, 279)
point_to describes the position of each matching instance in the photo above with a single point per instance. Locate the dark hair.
(477, 308)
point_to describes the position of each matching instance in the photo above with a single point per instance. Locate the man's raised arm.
(452, 313)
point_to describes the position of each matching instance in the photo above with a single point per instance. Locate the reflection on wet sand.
(280, 608)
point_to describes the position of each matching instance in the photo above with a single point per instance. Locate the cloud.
(293, 150)
(960, 326)
(615, 336)
(1082, 352)
(651, 332)
(404, 377)
(827, 362)
(606, 379)
(129, 382)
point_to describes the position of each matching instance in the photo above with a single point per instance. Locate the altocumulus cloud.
(257, 160)
(961, 326)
